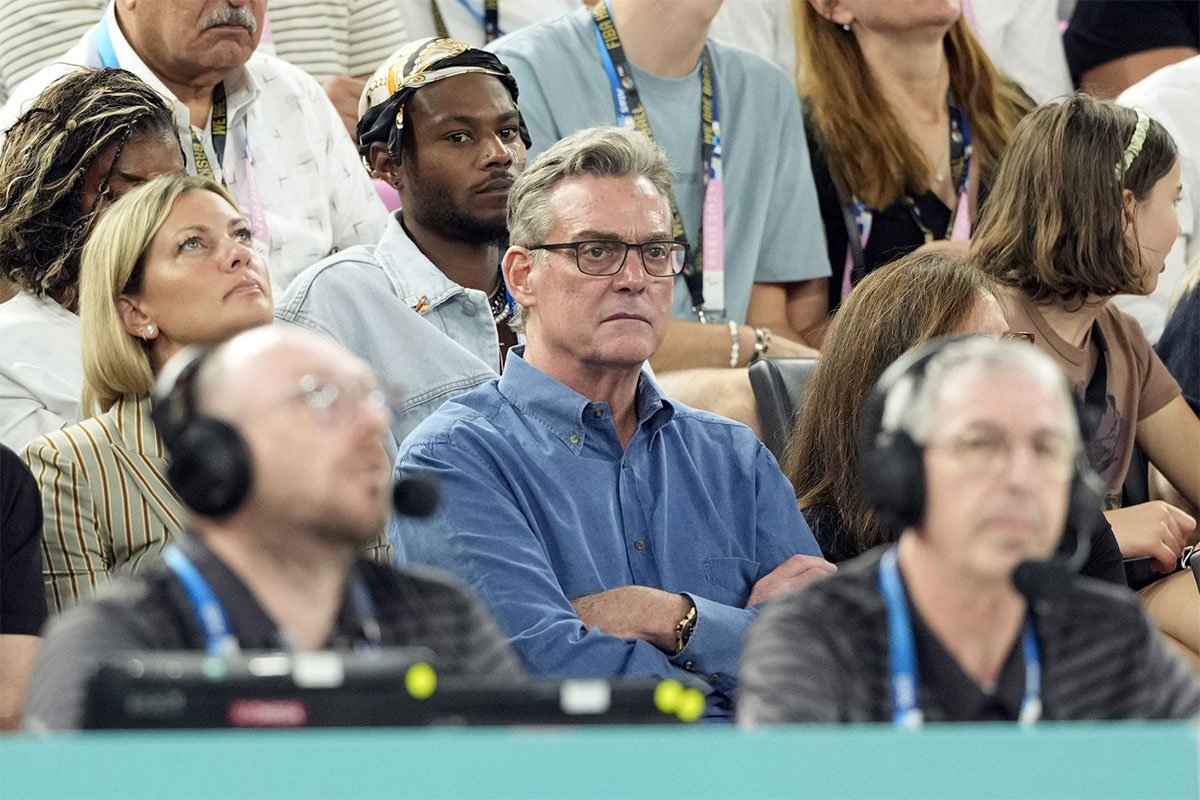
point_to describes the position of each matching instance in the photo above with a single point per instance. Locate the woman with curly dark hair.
(87, 140)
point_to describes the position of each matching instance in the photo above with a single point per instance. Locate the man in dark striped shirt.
(276, 445)
(972, 449)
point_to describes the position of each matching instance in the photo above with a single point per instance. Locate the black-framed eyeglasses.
(660, 259)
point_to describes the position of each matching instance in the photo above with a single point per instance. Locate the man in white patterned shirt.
(262, 127)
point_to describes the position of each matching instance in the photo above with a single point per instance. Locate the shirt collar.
(958, 695)
(418, 281)
(563, 411)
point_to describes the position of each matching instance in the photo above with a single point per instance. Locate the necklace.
(501, 304)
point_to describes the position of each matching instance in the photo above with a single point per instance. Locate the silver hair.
(911, 404)
(601, 152)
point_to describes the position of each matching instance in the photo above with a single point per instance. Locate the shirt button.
(688, 665)
(715, 676)
(624, 465)
(574, 439)
(599, 412)
(639, 545)
(469, 309)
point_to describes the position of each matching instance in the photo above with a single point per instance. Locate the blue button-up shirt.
(542, 505)
(426, 337)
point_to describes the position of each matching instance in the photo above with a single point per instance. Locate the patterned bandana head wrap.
(418, 64)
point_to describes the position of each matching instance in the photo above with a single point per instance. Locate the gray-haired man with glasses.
(970, 448)
(610, 529)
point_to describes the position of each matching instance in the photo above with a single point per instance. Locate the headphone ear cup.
(893, 480)
(210, 466)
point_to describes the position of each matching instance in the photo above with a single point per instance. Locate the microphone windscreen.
(416, 496)
(1041, 579)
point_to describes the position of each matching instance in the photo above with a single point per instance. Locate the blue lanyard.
(104, 43)
(902, 655)
(214, 620)
(631, 115)
(487, 19)
(219, 639)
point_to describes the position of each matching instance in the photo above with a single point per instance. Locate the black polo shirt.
(413, 607)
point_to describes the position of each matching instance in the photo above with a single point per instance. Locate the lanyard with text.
(902, 655)
(704, 272)
(960, 227)
(489, 19)
(258, 216)
(219, 639)
(214, 620)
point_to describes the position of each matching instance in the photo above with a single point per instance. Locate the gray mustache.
(231, 16)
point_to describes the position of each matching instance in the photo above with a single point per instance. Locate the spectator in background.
(255, 124)
(440, 124)
(907, 119)
(1179, 346)
(924, 295)
(298, 486)
(1083, 208)
(610, 529)
(88, 139)
(1113, 44)
(971, 449)
(758, 268)
(1171, 96)
(761, 26)
(338, 43)
(1023, 39)
(170, 265)
(22, 602)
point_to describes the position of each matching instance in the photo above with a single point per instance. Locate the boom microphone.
(416, 496)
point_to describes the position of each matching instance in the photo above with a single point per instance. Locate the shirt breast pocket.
(730, 579)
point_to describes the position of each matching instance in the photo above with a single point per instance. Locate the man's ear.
(134, 320)
(518, 265)
(833, 10)
(383, 166)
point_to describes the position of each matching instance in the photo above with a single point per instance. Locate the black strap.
(219, 128)
(854, 240)
(693, 267)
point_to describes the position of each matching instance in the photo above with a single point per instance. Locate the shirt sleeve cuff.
(715, 646)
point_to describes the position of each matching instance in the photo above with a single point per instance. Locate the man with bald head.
(276, 445)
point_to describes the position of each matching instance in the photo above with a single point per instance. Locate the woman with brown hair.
(906, 119)
(919, 297)
(1083, 208)
(896, 308)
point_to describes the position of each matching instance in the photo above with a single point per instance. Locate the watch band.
(683, 631)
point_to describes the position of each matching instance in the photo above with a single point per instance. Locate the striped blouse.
(107, 505)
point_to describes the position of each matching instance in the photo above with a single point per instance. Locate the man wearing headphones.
(275, 441)
(971, 448)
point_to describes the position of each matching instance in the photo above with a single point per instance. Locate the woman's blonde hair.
(115, 363)
(1054, 224)
(870, 155)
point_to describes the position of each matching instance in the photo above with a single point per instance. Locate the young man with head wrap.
(427, 306)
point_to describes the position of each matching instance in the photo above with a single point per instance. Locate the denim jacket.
(427, 338)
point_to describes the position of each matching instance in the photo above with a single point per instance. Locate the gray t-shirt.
(772, 224)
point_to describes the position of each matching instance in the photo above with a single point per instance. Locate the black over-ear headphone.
(892, 465)
(209, 465)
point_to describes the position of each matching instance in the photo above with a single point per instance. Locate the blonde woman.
(169, 265)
